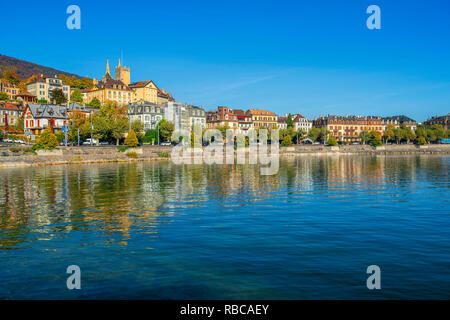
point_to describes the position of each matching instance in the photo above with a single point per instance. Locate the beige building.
(110, 89)
(9, 89)
(43, 86)
(148, 92)
(348, 128)
(263, 118)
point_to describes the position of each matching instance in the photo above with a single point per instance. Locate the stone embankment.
(16, 156)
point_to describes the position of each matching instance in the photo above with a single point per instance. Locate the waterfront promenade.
(16, 156)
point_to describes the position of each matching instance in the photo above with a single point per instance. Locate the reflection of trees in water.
(115, 198)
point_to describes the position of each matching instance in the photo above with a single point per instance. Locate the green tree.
(314, 133)
(131, 140)
(76, 96)
(4, 96)
(59, 136)
(95, 103)
(58, 96)
(408, 134)
(435, 133)
(388, 134)
(47, 140)
(399, 135)
(421, 140)
(300, 135)
(118, 128)
(150, 136)
(138, 128)
(364, 136)
(332, 141)
(289, 121)
(42, 101)
(287, 141)
(375, 138)
(166, 129)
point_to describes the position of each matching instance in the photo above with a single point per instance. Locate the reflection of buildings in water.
(115, 198)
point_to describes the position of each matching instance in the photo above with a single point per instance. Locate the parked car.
(68, 143)
(90, 142)
(166, 143)
(104, 143)
(8, 140)
(21, 141)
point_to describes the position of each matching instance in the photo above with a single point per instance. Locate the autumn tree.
(9, 74)
(58, 96)
(76, 96)
(131, 140)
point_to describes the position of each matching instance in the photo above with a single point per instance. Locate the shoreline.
(109, 154)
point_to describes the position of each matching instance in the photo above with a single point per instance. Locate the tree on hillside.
(76, 96)
(9, 74)
(58, 96)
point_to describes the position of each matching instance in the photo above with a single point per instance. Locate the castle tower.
(123, 74)
(107, 73)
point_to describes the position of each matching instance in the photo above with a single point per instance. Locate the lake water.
(155, 230)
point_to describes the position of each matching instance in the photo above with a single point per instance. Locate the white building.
(300, 122)
(43, 86)
(147, 113)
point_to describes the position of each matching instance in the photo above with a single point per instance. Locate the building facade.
(10, 113)
(197, 116)
(223, 117)
(147, 113)
(440, 120)
(43, 86)
(397, 121)
(109, 89)
(263, 118)
(38, 117)
(178, 114)
(244, 120)
(282, 122)
(348, 128)
(300, 122)
(9, 89)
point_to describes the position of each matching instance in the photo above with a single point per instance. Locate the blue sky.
(308, 57)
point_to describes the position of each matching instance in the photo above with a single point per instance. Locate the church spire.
(119, 63)
(107, 68)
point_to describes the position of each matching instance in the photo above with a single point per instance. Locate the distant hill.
(26, 69)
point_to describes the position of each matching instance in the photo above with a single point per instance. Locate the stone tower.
(107, 73)
(123, 74)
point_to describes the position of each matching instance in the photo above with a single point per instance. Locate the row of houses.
(149, 104)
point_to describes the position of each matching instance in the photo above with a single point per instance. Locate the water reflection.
(113, 198)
